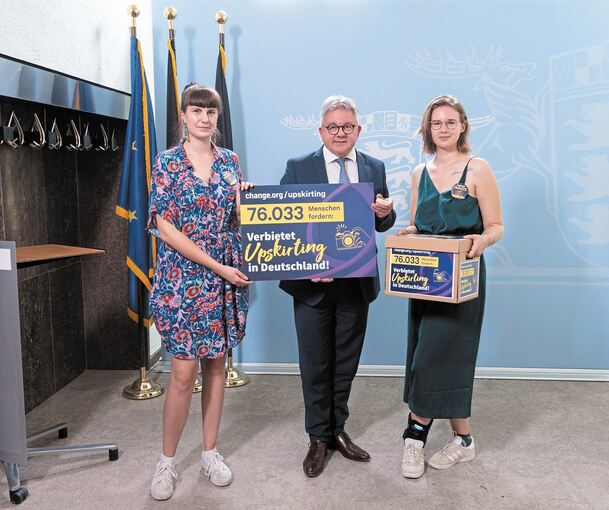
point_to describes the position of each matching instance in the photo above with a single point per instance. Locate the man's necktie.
(342, 176)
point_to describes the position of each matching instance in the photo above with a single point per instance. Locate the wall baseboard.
(541, 374)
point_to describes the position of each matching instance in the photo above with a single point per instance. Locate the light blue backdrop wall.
(534, 78)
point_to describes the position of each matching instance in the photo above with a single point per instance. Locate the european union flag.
(138, 158)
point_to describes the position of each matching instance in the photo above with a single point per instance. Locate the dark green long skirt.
(443, 341)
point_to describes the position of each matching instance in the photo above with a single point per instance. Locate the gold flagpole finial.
(170, 14)
(221, 19)
(134, 12)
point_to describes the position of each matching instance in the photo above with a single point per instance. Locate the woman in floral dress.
(199, 297)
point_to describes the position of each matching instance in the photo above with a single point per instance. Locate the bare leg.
(420, 419)
(212, 399)
(177, 402)
(460, 425)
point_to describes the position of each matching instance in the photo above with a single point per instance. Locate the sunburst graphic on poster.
(350, 239)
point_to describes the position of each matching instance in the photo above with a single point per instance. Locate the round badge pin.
(459, 191)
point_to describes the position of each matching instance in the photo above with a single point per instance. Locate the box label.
(421, 272)
(468, 278)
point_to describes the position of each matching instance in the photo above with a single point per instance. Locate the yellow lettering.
(409, 278)
(278, 250)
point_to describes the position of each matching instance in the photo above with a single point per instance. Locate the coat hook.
(74, 135)
(104, 146)
(8, 132)
(54, 136)
(41, 139)
(113, 142)
(87, 143)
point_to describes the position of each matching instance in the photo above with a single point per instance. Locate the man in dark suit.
(331, 315)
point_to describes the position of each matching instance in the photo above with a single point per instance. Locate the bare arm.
(182, 244)
(489, 200)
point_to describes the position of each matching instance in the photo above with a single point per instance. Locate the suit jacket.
(311, 169)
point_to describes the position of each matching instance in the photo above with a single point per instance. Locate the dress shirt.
(333, 169)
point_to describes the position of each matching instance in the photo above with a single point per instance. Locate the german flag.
(173, 96)
(224, 125)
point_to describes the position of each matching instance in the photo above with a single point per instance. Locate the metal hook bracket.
(54, 136)
(113, 143)
(87, 143)
(105, 145)
(36, 137)
(72, 137)
(8, 132)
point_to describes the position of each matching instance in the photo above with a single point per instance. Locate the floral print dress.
(197, 313)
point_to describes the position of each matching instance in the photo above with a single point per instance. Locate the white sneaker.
(217, 471)
(163, 481)
(453, 453)
(413, 461)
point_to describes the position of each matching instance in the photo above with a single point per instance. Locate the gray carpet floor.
(540, 445)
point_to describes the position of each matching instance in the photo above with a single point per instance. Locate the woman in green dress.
(453, 194)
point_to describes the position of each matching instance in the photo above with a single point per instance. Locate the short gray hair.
(337, 103)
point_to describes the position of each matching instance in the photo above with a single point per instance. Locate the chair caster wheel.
(62, 433)
(18, 496)
(113, 454)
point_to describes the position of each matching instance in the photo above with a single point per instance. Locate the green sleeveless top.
(442, 214)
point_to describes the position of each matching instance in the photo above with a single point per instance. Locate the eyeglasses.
(450, 124)
(333, 129)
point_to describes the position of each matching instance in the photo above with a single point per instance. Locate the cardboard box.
(431, 267)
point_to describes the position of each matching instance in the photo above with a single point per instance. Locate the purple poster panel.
(422, 272)
(294, 232)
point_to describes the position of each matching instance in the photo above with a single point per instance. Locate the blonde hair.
(429, 146)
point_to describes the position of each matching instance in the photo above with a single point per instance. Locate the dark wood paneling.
(36, 340)
(72, 311)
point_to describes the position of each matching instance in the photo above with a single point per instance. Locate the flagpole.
(142, 388)
(171, 14)
(173, 100)
(233, 377)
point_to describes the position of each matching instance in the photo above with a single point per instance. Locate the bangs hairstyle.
(429, 147)
(201, 96)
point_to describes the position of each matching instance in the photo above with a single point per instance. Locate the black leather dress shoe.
(349, 449)
(313, 464)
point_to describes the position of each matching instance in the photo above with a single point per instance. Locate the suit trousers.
(330, 340)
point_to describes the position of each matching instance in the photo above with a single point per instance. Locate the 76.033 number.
(275, 213)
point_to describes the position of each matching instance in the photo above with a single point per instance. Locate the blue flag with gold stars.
(138, 158)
